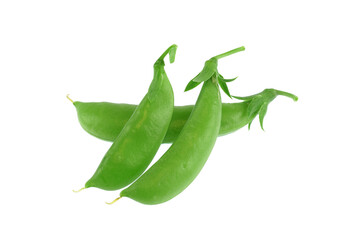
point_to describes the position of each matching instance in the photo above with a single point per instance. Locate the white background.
(288, 182)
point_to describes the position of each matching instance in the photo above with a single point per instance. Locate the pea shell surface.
(139, 140)
(183, 161)
(105, 120)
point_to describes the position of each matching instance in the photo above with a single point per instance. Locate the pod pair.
(152, 122)
(185, 158)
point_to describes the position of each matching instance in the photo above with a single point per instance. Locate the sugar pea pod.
(105, 120)
(182, 162)
(141, 136)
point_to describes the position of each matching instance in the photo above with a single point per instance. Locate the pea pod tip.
(110, 203)
(77, 191)
(68, 97)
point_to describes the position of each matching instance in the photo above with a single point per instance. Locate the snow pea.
(106, 120)
(141, 136)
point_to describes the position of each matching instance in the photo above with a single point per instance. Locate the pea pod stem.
(236, 50)
(68, 97)
(210, 72)
(259, 103)
(110, 203)
(287, 94)
(172, 53)
(77, 191)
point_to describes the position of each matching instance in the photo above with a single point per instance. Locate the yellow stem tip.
(78, 190)
(68, 97)
(109, 203)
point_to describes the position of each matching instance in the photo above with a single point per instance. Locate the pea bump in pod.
(138, 141)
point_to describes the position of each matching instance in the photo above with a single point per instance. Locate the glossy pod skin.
(182, 162)
(106, 120)
(141, 136)
(103, 120)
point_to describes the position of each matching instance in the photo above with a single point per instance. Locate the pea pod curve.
(139, 140)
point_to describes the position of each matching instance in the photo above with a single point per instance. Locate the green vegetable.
(139, 140)
(105, 120)
(182, 162)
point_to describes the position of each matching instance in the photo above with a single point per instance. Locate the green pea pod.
(141, 136)
(106, 120)
(182, 162)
